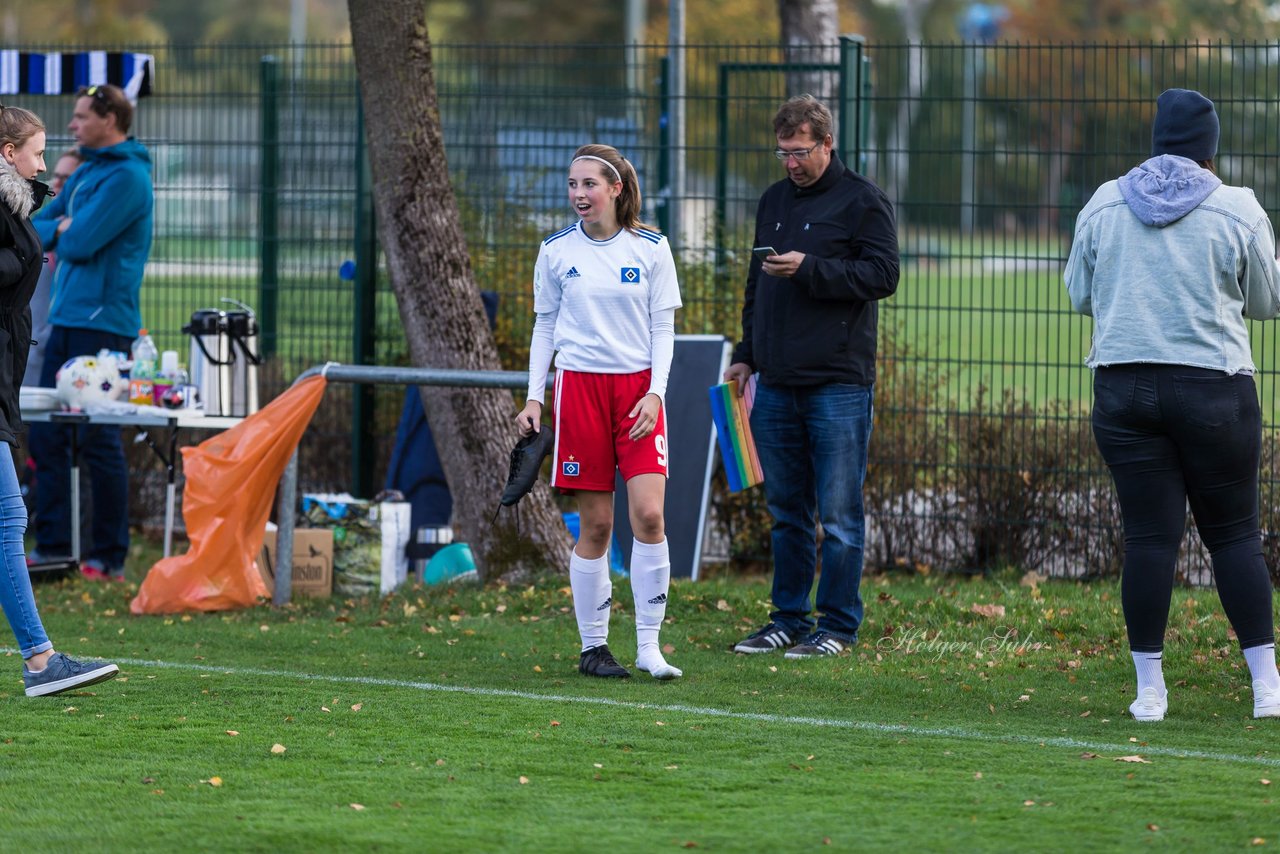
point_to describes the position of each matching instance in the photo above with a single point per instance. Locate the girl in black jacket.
(22, 141)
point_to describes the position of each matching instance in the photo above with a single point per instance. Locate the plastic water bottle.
(142, 375)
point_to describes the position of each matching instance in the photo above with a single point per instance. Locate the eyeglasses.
(800, 155)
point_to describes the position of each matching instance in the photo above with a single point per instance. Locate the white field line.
(711, 712)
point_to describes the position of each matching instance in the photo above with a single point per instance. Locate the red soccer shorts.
(592, 423)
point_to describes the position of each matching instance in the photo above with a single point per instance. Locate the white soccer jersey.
(602, 294)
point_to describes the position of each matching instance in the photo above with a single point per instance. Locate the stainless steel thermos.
(224, 359)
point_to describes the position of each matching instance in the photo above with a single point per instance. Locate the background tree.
(810, 35)
(444, 320)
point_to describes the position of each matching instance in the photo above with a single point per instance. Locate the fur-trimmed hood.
(21, 195)
(15, 191)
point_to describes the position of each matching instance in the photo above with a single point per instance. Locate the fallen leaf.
(668, 648)
(1153, 827)
(264, 628)
(722, 605)
(673, 767)
(357, 707)
(324, 708)
(659, 723)
(555, 723)
(596, 765)
(278, 748)
(439, 762)
(1028, 803)
(1264, 781)
(213, 781)
(357, 807)
(977, 775)
(1134, 758)
(987, 610)
(70, 710)
(1088, 755)
(1257, 840)
(157, 791)
(523, 780)
(232, 732)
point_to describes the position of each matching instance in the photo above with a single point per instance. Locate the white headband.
(612, 168)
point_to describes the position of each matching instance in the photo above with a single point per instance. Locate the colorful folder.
(729, 412)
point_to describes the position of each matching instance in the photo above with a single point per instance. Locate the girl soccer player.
(605, 296)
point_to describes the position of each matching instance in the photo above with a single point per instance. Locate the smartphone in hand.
(763, 252)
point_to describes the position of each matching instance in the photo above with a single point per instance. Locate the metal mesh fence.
(981, 455)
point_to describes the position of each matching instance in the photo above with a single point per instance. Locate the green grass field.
(972, 715)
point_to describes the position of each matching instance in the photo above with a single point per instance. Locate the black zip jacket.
(819, 326)
(20, 263)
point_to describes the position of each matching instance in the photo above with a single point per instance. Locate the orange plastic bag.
(231, 484)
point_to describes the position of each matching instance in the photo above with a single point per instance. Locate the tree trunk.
(444, 320)
(810, 35)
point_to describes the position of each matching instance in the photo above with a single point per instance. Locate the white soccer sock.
(1150, 668)
(1262, 664)
(592, 597)
(650, 582)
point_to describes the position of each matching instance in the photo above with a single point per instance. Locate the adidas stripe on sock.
(592, 597)
(650, 583)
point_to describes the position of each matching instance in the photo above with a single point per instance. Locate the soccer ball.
(83, 381)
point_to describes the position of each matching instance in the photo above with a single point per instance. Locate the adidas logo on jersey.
(660, 599)
(606, 604)
(573, 273)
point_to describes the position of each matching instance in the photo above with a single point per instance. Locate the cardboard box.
(312, 561)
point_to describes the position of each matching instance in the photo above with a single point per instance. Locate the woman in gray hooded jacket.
(1169, 262)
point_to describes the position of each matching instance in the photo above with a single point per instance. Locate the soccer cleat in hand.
(526, 462)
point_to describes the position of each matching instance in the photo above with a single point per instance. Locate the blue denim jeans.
(101, 453)
(812, 443)
(1174, 437)
(15, 583)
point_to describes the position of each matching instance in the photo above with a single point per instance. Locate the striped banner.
(23, 73)
(730, 413)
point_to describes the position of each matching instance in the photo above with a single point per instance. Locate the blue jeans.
(812, 443)
(1175, 436)
(100, 452)
(15, 583)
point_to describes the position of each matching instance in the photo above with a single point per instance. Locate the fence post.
(852, 143)
(268, 205)
(364, 333)
(662, 206)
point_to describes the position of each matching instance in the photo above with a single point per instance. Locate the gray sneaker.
(63, 674)
(767, 639)
(818, 644)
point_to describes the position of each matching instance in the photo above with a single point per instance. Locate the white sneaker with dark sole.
(1150, 705)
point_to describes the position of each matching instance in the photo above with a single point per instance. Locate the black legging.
(1171, 435)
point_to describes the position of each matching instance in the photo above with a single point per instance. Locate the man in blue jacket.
(828, 251)
(100, 226)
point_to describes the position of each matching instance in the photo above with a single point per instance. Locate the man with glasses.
(827, 251)
(100, 226)
(68, 162)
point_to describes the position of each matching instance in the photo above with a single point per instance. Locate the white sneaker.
(1266, 701)
(1151, 705)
